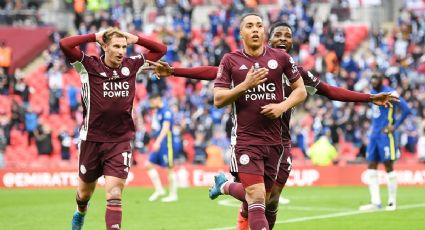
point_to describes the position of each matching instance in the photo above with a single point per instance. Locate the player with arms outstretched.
(107, 92)
(280, 37)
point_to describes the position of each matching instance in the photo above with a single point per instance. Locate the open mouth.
(255, 37)
(282, 46)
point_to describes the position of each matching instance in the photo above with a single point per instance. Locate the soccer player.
(251, 80)
(107, 91)
(382, 147)
(162, 154)
(280, 37)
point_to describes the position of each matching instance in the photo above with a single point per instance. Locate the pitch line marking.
(236, 203)
(331, 215)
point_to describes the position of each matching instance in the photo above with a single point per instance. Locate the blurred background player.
(383, 147)
(108, 89)
(162, 150)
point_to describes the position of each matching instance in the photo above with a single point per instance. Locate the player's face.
(154, 102)
(115, 50)
(252, 31)
(281, 38)
(376, 82)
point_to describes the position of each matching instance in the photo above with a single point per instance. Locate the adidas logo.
(115, 226)
(243, 67)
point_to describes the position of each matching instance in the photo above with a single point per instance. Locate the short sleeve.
(224, 72)
(310, 81)
(137, 60)
(289, 67)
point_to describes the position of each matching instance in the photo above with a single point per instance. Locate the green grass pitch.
(310, 208)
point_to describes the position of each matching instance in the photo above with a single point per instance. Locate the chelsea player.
(382, 147)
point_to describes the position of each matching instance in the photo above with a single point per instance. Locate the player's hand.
(156, 146)
(99, 37)
(384, 99)
(272, 111)
(131, 38)
(161, 68)
(254, 78)
(389, 129)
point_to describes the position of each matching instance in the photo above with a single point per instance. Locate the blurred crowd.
(202, 131)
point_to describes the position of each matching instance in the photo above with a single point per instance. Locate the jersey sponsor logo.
(243, 67)
(125, 71)
(272, 64)
(265, 91)
(115, 89)
(244, 159)
(83, 169)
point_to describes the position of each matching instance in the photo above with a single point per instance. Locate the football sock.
(156, 181)
(392, 187)
(256, 218)
(374, 186)
(172, 179)
(234, 189)
(81, 204)
(113, 214)
(244, 209)
(271, 217)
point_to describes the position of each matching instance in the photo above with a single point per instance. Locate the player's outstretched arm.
(163, 69)
(345, 95)
(69, 46)
(225, 96)
(156, 49)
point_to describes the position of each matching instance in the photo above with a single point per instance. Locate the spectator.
(3, 144)
(322, 153)
(43, 139)
(55, 86)
(65, 140)
(5, 56)
(31, 123)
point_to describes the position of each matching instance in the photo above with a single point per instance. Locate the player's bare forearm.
(341, 94)
(224, 96)
(297, 96)
(69, 45)
(156, 49)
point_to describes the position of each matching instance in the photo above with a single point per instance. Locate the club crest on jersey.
(125, 71)
(83, 169)
(272, 64)
(244, 159)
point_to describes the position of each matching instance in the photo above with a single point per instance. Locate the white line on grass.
(331, 215)
(236, 203)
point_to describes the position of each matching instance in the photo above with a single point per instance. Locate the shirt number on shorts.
(127, 160)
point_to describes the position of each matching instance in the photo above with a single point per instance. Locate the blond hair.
(112, 32)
